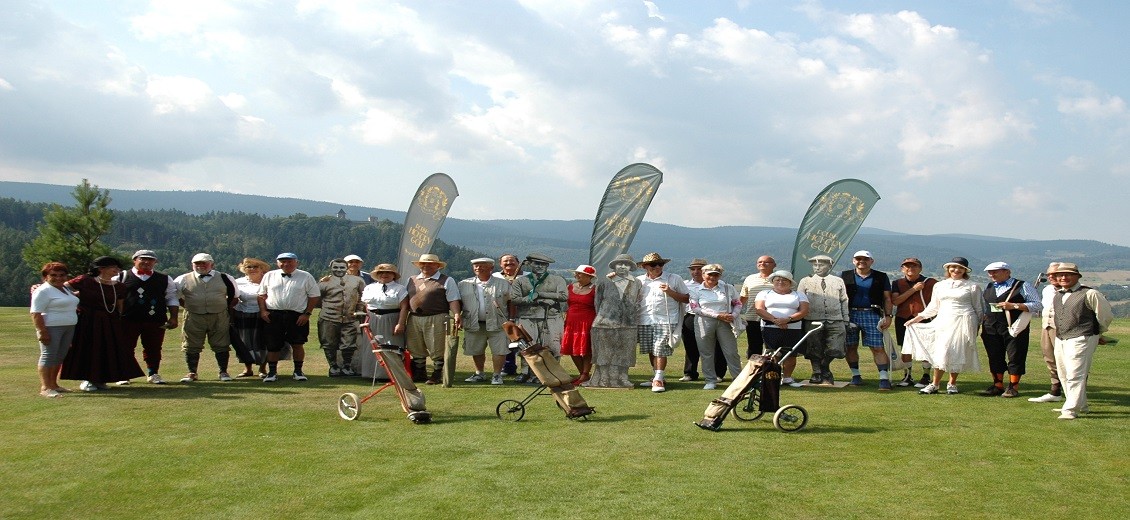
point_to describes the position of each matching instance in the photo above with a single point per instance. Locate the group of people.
(88, 326)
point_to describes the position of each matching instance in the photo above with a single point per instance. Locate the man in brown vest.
(433, 299)
(1081, 315)
(206, 295)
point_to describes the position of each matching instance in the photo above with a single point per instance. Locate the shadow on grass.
(222, 390)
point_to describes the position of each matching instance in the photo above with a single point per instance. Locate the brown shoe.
(1011, 391)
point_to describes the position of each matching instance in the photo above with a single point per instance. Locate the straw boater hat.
(958, 261)
(622, 258)
(430, 259)
(653, 258)
(781, 274)
(712, 268)
(697, 262)
(386, 268)
(1065, 267)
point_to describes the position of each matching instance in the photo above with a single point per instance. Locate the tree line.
(176, 236)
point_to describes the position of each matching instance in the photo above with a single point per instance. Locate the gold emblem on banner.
(434, 202)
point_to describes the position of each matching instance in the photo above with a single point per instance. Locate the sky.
(1004, 118)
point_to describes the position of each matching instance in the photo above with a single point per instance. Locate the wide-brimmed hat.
(997, 266)
(145, 253)
(959, 261)
(622, 258)
(428, 258)
(386, 268)
(538, 257)
(712, 268)
(1065, 267)
(821, 258)
(1051, 267)
(781, 274)
(653, 258)
(585, 269)
(106, 261)
(697, 262)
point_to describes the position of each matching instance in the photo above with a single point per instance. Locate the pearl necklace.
(112, 307)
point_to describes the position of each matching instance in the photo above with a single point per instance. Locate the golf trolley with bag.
(549, 372)
(396, 361)
(757, 391)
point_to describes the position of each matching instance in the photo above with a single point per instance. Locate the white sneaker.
(124, 382)
(658, 385)
(155, 379)
(496, 379)
(951, 389)
(929, 389)
(190, 377)
(224, 376)
(87, 386)
(1067, 415)
(1046, 398)
(710, 385)
(787, 381)
(271, 378)
(299, 376)
(477, 377)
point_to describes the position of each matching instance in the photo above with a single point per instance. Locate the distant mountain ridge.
(567, 241)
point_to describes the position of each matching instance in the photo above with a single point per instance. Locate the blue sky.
(997, 118)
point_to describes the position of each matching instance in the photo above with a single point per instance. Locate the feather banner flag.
(832, 221)
(621, 211)
(424, 218)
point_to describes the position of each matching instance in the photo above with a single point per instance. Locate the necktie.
(823, 284)
(384, 287)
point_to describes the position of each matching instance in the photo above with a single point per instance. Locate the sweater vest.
(205, 298)
(429, 296)
(996, 322)
(913, 305)
(1073, 318)
(145, 299)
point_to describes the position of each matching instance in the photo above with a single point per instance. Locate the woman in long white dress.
(949, 342)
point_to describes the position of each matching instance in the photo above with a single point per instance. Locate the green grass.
(246, 449)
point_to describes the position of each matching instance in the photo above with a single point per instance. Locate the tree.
(73, 235)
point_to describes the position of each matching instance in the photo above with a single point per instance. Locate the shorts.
(284, 328)
(658, 339)
(475, 343)
(868, 321)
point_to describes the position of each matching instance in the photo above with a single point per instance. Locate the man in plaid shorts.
(664, 295)
(869, 302)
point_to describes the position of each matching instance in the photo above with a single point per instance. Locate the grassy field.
(249, 450)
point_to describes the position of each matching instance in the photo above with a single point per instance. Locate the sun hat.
(622, 258)
(781, 274)
(1065, 267)
(653, 258)
(697, 262)
(712, 268)
(386, 268)
(959, 261)
(428, 258)
(585, 269)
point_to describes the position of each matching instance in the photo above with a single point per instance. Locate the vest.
(996, 322)
(879, 280)
(145, 299)
(205, 298)
(1073, 318)
(428, 297)
(913, 305)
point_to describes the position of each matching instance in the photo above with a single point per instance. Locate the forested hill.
(227, 236)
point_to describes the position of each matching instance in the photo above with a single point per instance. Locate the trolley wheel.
(510, 410)
(790, 418)
(349, 406)
(749, 408)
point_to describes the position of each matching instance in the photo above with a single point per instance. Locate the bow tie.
(206, 275)
(286, 275)
(145, 272)
(998, 285)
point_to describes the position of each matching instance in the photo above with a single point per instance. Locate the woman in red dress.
(576, 341)
(99, 354)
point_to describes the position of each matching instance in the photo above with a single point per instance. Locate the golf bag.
(411, 398)
(548, 370)
(760, 370)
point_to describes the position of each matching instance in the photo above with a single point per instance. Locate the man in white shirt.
(287, 299)
(664, 295)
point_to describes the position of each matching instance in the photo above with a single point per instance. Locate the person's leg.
(995, 351)
(1016, 351)
(152, 337)
(1047, 350)
(690, 348)
(705, 338)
